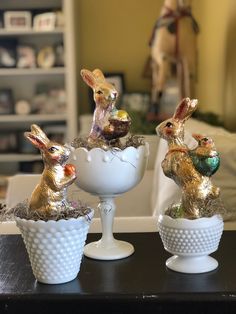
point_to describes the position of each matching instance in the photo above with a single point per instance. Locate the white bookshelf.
(23, 81)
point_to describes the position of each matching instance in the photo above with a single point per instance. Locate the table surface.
(140, 283)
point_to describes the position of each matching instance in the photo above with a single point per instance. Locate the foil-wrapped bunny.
(51, 193)
(197, 189)
(108, 122)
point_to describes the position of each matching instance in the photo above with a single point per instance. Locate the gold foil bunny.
(197, 189)
(108, 122)
(51, 193)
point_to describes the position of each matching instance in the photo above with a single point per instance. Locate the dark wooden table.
(138, 284)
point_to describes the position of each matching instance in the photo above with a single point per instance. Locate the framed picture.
(118, 80)
(7, 53)
(26, 57)
(6, 101)
(1, 20)
(8, 142)
(45, 21)
(17, 20)
(46, 57)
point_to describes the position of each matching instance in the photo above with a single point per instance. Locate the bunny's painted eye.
(99, 92)
(53, 149)
(169, 125)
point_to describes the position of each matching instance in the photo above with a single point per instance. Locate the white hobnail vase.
(108, 174)
(55, 248)
(191, 242)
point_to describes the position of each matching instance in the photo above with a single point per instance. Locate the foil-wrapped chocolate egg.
(119, 124)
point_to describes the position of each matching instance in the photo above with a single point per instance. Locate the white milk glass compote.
(108, 174)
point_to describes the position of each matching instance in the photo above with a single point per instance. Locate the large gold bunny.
(197, 189)
(108, 122)
(50, 194)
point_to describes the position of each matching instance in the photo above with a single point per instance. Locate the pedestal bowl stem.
(108, 248)
(107, 210)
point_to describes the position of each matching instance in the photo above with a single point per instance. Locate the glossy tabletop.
(140, 283)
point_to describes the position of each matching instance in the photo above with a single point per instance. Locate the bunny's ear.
(99, 75)
(185, 109)
(37, 137)
(35, 140)
(197, 137)
(88, 77)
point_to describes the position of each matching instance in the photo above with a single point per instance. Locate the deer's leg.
(186, 70)
(159, 74)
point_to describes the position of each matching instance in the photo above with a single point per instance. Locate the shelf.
(31, 71)
(32, 118)
(25, 83)
(19, 157)
(27, 32)
(29, 4)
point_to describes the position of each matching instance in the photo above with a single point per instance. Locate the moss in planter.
(22, 210)
(131, 140)
(207, 209)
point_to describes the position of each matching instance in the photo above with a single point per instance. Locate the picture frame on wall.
(118, 80)
(17, 20)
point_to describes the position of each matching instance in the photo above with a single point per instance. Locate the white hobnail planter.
(191, 241)
(107, 174)
(55, 248)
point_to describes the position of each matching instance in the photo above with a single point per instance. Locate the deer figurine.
(173, 41)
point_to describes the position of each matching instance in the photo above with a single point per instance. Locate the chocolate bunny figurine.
(197, 188)
(108, 122)
(50, 194)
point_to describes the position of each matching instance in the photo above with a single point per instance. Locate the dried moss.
(131, 140)
(206, 209)
(22, 210)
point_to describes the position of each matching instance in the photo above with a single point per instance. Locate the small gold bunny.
(108, 122)
(50, 194)
(197, 189)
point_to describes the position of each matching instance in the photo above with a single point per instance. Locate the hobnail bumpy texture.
(55, 248)
(197, 241)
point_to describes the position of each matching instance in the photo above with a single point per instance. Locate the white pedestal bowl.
(108, 174)
(191, 241)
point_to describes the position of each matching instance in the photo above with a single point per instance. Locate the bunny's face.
(173, 128)
(52, 152)
(105, 95)
(170, 130)
(56, 153)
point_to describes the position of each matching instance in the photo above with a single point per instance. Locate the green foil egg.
(206, 165)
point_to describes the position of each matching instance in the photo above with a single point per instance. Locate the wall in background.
(114, 35)
(216, 87)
